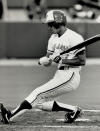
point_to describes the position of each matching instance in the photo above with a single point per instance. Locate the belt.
(63, 67)
(67, 67)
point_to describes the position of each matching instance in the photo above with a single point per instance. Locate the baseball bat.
(87, 42)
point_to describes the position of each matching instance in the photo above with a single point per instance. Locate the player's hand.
(45, 61)
(55, 57)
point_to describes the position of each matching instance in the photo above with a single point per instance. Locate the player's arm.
(45, 60)
(78, 60)
(49, 53)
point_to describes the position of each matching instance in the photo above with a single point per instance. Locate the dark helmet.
(56, 16)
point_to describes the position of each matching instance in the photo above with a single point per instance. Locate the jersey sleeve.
(51, 46)
(75, 41)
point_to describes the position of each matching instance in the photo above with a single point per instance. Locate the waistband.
(67, 67)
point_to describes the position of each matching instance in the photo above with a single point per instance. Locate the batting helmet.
(56, 16)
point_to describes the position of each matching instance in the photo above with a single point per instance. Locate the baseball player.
(66, 78)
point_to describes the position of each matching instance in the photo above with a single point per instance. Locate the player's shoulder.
(53, 37)
(74, 34)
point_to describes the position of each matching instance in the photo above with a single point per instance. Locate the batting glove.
(55, 57)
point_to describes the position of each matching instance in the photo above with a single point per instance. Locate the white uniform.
(63, 80)
(66, 78)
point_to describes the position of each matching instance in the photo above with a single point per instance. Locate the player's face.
(55, 28)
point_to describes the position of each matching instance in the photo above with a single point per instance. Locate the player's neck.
(62, 31)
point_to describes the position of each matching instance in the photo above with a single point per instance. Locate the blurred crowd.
(83, 9)
(36, 9)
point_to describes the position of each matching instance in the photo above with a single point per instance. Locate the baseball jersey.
(64, 42)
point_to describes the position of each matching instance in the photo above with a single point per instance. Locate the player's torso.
(64, 42)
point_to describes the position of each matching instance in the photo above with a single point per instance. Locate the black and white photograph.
(49, 65)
